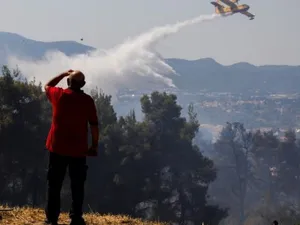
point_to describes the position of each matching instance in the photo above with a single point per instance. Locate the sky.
(271, 38)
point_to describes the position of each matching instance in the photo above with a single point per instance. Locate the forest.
(154, 168)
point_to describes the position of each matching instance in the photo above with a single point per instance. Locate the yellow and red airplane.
(232, 7)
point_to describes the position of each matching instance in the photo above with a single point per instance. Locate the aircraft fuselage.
(232, 8)
(238, 8)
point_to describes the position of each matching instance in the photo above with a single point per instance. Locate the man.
(67, 143)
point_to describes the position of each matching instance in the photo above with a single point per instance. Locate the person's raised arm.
(54, 81)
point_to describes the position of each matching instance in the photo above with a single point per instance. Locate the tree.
(22, 136)
(266, 151)
(181, 171)
(289, 168)
(234, 159)
(149, 169)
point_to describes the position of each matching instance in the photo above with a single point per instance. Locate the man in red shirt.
(67, 142)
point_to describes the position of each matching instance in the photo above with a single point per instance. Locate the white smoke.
(131, 64)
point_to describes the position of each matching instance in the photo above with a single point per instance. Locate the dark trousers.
(56, 173)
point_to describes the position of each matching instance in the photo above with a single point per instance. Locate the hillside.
(11, 43)
(201, 74)
(207, 74)
(28, 216)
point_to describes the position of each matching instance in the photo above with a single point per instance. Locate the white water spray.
(131, 64)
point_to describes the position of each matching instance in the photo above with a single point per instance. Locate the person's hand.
(92, 151)
(68, 73)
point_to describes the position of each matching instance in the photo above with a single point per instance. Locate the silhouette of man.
(67, 143)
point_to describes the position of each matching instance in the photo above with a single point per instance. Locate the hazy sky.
(273, 37)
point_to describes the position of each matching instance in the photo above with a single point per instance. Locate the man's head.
(275, 222)
(76, 80)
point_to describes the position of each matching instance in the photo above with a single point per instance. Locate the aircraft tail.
(218, 7)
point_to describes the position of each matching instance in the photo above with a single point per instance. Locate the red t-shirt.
(71, 113)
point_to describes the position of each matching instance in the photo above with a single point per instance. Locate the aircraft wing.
(229, 3)
(246, 13)
(216, 4)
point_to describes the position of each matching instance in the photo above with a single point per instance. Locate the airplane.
(232, 7)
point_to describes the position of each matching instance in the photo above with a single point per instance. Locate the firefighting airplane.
(232, 7)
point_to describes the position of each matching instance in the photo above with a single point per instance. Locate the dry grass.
(26, 216)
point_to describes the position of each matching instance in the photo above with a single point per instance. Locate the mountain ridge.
(18, 37)
(15, 44)
(197, 74)
(10, 35)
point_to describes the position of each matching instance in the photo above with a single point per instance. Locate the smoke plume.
(131, 64)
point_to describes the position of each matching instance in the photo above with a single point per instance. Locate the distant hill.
(21, 46)
(196, 75)
(241, 77)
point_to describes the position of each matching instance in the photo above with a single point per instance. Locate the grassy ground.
(26, 216)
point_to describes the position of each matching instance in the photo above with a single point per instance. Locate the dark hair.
(275, 222)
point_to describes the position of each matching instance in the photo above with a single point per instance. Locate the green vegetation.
(148, 169)
(152, 169)
(258, 175)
